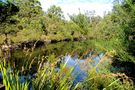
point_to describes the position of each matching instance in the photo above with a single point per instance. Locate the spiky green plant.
(104, 79)
(11, 79)
(49, 78)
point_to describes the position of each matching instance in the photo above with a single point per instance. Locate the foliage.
(11, 80)
(55, 12)
(7, 9)
(82, 21)
(26, 21)
(123, 16)
(51, 77)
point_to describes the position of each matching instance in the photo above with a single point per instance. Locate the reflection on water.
(58, 49)
(71, 51)
(74, 50)
(82, 65)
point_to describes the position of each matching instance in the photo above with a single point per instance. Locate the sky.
(72, 6)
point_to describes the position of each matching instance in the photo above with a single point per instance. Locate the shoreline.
(36, 43)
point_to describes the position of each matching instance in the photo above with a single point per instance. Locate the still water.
(54, 51)
(74, 54)
(82, 65)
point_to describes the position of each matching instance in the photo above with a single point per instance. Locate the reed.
(49, 77)
(11, 80)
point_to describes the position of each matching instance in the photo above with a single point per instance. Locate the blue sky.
(72, 6)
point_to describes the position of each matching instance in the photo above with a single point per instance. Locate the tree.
(30, 15)
(55, 12)
(123, 18)
(29, 18)
(82, 21)
(7, 9)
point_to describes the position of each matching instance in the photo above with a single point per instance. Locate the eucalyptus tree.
(82, 20)
(7, 11)
(120, 26)
(125, 13)
(55, 12)
(30, 16)
(55, 21)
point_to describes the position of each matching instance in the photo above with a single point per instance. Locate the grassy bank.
(47, 77)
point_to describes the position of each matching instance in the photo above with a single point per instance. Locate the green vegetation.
(47, 77)
(24, 21)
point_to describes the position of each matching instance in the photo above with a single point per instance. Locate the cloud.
(72, 6)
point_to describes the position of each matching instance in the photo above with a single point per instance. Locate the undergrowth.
(50, 77)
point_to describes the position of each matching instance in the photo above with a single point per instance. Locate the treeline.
(24, 20)
(114, 34)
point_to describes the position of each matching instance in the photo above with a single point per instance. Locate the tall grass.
(1, 38)
(11, 80)
(105, 79)
(50, 77)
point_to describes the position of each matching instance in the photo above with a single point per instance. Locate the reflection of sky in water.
(0, 76)
(79, 71)
(79, 67)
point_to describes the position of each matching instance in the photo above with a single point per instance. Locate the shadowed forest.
(42, 50)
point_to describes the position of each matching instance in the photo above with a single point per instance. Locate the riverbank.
(68, 77)
(37, 43)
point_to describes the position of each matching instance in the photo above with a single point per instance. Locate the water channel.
(73, 54)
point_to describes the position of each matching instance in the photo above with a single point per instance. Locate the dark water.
(79, 72)
(72, 50)
(74, 55)
(53, 51)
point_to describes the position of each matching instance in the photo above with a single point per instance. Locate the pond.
(82, 65)
(81, 55)
(53, 51)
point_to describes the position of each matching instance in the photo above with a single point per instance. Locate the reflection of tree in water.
(57, 49)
